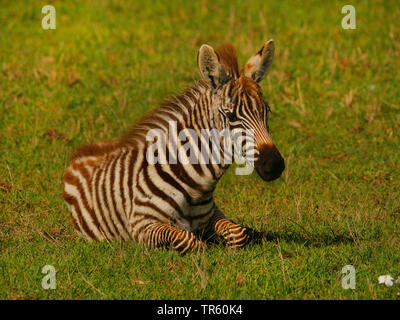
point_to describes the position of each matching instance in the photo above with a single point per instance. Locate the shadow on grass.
(307, 239)
(324, 239)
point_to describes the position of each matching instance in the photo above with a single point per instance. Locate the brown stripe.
(140, 230)
(73, 202)
(105, 173)
(112, 193)
(152, 206)
(83, 171)
(170, 180)
(95, 191)
(68, 198)
(131, 165)
(200, 216)
(158, 192)
(70, 178)
(121, 181)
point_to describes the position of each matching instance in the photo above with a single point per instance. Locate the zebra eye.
(231, 116)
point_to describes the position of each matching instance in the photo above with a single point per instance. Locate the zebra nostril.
(272, 165)
(264, 163)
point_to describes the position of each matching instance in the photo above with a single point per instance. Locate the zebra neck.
(195, 109)
(205, 111)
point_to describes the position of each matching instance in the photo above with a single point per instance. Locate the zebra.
(113, 191)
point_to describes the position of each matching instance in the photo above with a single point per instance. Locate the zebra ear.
(259, 65)
(210, 67)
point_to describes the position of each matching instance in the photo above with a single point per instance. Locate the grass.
(335, 101)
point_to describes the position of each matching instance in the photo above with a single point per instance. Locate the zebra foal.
(113, 191)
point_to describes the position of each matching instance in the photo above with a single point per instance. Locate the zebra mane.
(227, 54)
(173, 104)
(186, 100)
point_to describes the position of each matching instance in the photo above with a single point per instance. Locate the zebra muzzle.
(270, 163)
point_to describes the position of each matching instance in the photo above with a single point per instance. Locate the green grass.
(336, 119)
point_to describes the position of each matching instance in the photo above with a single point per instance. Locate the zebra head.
(240, 102)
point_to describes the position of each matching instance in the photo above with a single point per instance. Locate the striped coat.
(114, 192)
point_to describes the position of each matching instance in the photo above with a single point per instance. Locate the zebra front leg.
(235, 235)
(161, 234)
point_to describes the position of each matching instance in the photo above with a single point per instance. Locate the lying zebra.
(114, 191)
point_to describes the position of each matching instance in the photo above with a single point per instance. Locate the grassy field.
(335, 99)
